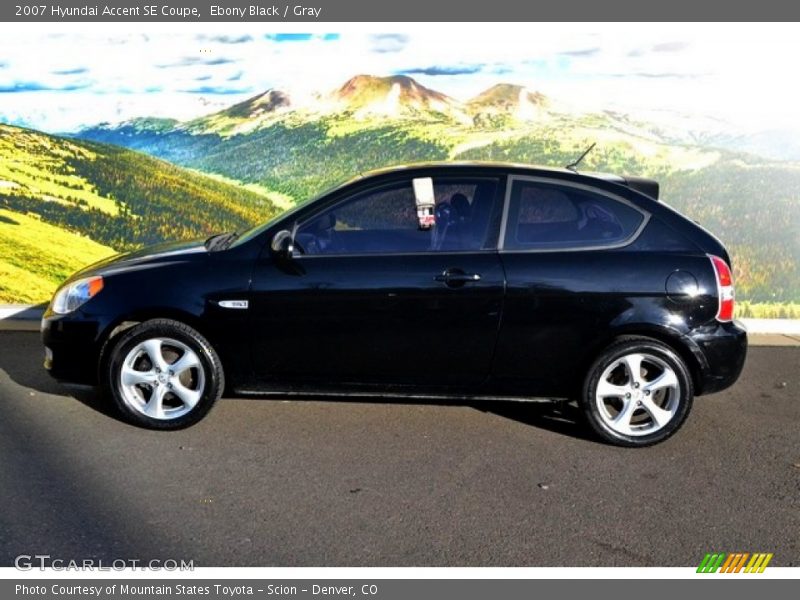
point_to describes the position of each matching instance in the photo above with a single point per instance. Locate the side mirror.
(282, 243)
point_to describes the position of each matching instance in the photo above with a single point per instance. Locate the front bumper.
(721, 350)
(71, 347)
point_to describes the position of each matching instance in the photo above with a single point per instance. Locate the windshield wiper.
(212, 240)
(220, 241)
(229, 239)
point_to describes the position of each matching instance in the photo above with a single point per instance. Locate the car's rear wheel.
(164, 374)
(637, 393)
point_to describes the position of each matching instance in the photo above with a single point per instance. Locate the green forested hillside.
(298, 159)
(96, 199)
(755, 210)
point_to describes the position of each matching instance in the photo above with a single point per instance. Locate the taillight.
(725, 292)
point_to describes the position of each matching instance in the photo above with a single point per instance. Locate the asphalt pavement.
(379, 483)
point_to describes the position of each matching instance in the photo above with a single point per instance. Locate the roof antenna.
(573, 166)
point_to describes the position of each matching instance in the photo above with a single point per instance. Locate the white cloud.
(736, 72)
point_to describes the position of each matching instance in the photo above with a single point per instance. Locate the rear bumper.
(71, 347)
(721, 350)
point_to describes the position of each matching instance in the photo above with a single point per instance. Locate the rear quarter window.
(658, 236)
(551, 216)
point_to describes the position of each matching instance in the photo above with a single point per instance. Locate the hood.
(158, 253)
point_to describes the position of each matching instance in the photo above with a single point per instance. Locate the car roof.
(647, 187)
(489, 165)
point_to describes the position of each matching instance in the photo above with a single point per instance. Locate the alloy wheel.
(638, 394)
(162, 378)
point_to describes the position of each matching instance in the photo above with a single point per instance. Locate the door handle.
(456, 277)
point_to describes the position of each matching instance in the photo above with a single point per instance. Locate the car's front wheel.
(637, 393)
(164, 374)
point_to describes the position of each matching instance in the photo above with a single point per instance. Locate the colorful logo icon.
(734, 562)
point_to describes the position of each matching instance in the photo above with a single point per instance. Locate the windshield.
(248, 235)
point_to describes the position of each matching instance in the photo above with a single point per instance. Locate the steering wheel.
(298, 246)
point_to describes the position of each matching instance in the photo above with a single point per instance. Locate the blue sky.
(66, 77)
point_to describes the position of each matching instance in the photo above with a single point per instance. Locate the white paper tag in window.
(426, 201)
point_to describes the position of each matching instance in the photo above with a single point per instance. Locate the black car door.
(369, 297)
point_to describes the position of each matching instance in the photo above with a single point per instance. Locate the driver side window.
(384, 221)
(375, 222)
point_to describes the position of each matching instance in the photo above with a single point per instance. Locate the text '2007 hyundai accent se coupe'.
(477, 281)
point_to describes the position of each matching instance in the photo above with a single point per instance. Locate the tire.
(164, 375)
(637, 411)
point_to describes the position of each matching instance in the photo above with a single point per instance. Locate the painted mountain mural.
(279, 148)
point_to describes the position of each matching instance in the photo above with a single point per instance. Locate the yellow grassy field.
(36, 257)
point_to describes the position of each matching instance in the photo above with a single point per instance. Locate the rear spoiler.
(648, 187)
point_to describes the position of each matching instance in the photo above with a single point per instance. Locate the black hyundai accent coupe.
(479, 281)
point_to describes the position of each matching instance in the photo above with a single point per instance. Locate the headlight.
(76, 294)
